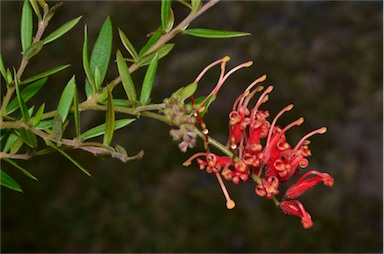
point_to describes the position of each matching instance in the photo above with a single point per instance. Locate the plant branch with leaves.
(28, 130)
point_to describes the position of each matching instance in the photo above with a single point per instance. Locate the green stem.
(215, 143)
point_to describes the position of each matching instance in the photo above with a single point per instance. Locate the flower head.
(258, 148)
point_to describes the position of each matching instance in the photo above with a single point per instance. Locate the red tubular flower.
(303, 184)
(294, 207)
(268, 188)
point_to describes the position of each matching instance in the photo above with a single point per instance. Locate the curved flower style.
(259, 148)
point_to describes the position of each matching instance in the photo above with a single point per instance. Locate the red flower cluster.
(261, 151)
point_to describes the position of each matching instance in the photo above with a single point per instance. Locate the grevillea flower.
(302, 185)
(294, 207)
(258, 148)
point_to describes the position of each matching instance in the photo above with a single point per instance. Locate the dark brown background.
(325, 57)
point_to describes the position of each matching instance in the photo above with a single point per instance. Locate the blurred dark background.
(325, 57)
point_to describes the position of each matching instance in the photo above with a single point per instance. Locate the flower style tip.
(322, 130)
(230, 204)
(248, 64)
(294, 207)
(226, 59)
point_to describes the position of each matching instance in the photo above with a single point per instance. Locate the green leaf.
(101, 52)
(44, 124)
(99, 130)
(98, 80)
(3, 71)
(22, 105)
(38, 115)
(26, 26)
(76, 112)
(26, 94)
(7, 181)
(188, 91)
(161, 52)
(17, 145)
(32, 50)
(122, 103)
(126, 78)
(165, 10)
(217, 34)
(128, 45)
(195, 5)
(154, 38)
(44, 74)
(69, 158)
(28, 137)
(57, 127)
(171, 21)
(109, 120)
(10, 141)
(36, 8)
(25, 172)
(149, 77)
(90, 82)
(66, 98)
(61, 30)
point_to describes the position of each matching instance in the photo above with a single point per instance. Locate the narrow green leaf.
(44, 124)
(99, 130)
(69, 158)
(76, 112)
(126, 78)
(25, 172)
(57, 127)
(161, 52)
(36, 8)
(123, 103)
(195, 5)
(101, 52)
(17, 145)
(90, 82)
(66, 98)
(26, 94)
(109, 120)
(26, 26)
(32, 50)
(7, 181)
(9, 76)
(10, 141)
(61, 30)
(28, 137)
(98, 81)
(128, 45)
(170, 22)
(165, 10)
(44, 74)
(38, 115)
(188, 91)
(22, 105)
(149, 77)
(2, 70)
(154, 38)
(217, 34)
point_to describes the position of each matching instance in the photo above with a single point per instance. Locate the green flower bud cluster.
(179, 114)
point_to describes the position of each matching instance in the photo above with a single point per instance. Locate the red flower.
(303, 184)
(294, 207)
(260, 148)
